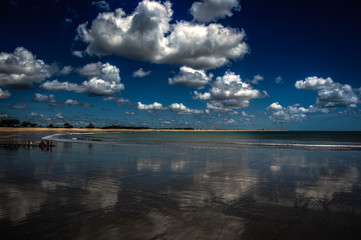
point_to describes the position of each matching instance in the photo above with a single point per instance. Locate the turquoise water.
(173, 185)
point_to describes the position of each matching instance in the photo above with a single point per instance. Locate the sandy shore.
(60, 130)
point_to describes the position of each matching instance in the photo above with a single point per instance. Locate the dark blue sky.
(202, 64)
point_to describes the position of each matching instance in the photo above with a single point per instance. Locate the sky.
(207, 64)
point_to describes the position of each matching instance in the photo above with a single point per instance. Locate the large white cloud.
(229, 92)
(147, 34)
(330, 94)
(4, 94)
(104, 81)
(211, 10)
(20, 69)
(191, 78)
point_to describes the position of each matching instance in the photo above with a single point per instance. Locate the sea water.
(184, 185)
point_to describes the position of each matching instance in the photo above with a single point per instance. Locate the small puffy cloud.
(147, 35)
(59, 116)
(210, 10)
(278, 80)
(102, 87)
(314, 83)
(109, 99)
(330, 94)
(33, 114)
(256, 79)
(274, 107)
(20, 69)
(141, 73)
(4, 94)
(229, 92)
(230, 121)
(191, 78)
(102, 5)
(244, 114)
(71, 102)
(79, 54)
(181, 109)
(48, 99)
(55, 85)
(19, 107)
(150, 107)
(104, 81)
(66, 70)
(122, 101)
(42, 98)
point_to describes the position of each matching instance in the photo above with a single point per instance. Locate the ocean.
(183, 185)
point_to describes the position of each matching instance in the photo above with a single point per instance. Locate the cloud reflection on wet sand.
(178, 193)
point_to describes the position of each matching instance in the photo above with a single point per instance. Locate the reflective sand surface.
(101, 191)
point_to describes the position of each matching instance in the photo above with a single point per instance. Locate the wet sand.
(99, 191)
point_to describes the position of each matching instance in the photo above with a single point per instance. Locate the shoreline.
(18, 129)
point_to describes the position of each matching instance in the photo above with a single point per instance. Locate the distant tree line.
(12, 122)
(117, 126)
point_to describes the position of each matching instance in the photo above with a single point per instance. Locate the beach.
(180, 185)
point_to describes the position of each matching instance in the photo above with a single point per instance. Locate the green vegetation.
(68, 125)
(117, 126)
(11, 122)
(90, 125)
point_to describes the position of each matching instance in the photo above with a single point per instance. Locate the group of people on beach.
(42, 145)
(45, 144)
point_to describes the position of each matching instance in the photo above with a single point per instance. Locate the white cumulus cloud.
(229, 92)
(20, 69)
(210, 10)
(191, 78)
(293, 113)
(274, 107)
(256, 79)
(141, 73)
(71, 102)
(181, 109)
(48, 99)
(330, 94)
(4, 94)
(148, 35)
(104, 81)
(150, 107)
